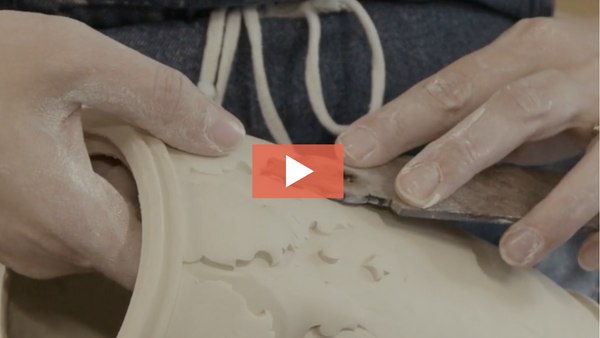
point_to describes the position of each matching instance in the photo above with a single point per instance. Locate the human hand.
(57, 216)
(536, 85)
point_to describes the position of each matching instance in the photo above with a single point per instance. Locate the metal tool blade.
(501, 194)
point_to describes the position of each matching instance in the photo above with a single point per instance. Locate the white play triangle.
(295, 171)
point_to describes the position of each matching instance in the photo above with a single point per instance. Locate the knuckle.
(532, 101)
(464, 149)
(529, 100)
(65, 48)
(167, 93)
(69, 25)
(449, 91)
(396, 124)
(69, 35)
(534, 30)
(579, 210)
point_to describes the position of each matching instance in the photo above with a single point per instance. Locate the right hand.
(58, 217)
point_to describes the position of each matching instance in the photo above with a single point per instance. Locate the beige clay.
(218, 264)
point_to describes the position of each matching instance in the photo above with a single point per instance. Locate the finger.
(589, 253)
(101, 225)
(116, 247)
(571, 204)
(118, 176)
(533, 108)
(63, 218)
(435, 105)
(111, 77)
(123, 268)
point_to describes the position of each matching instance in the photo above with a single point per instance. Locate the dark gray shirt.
(513, 8)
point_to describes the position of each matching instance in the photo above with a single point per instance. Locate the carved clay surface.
(330, 255)
(377, 267)
(207, 303)
(217, 263)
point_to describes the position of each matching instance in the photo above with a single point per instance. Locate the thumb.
(152, 96)
(116, 247)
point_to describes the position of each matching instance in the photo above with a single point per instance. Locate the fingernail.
(521, 245)
(418, 183)
(589, 257)
(223, 129)
(358, 143)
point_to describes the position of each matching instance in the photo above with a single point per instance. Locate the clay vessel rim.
(158, 274)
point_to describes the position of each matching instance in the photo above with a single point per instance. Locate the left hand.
(536, 84)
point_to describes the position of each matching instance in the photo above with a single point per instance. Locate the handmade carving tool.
(502, 194)
(498, 195)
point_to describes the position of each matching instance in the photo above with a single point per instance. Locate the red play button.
(297, 171)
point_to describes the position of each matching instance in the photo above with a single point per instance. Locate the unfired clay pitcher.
(218, 264)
